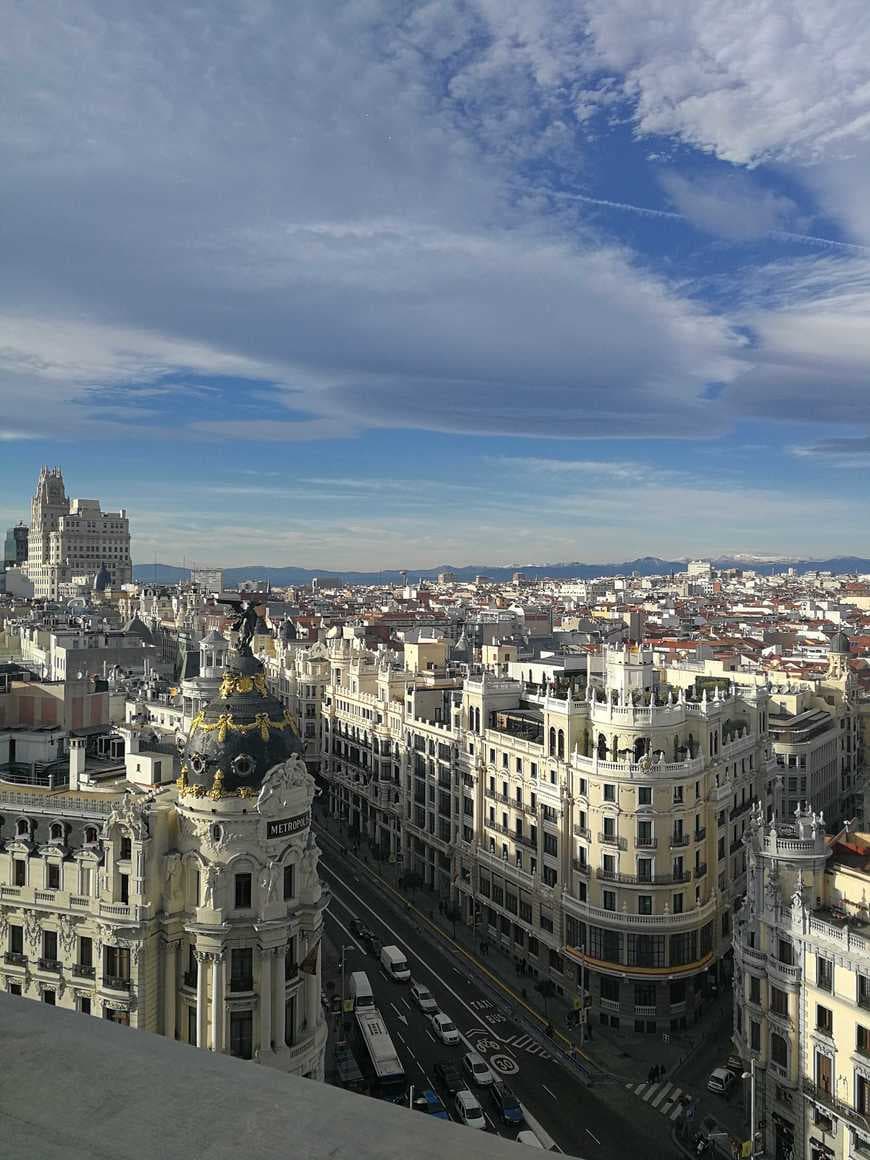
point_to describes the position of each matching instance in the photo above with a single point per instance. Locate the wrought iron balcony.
(613, 840)
(49, 964)
(646, 843)
(83, 970)
(701, 870)
(679, 840)
(116, 983)
(16, 958)
(641, 880)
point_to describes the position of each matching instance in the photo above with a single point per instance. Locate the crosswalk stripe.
(629, 1086)
(649, 1091)
(640, 1088)
(675, 1112)
(655, 1103)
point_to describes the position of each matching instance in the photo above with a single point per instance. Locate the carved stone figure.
(209, 885)
(269, 880)
(278, 782)
(67, 932)
(310, 882)
(32, 927)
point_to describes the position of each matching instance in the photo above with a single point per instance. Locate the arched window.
(779, 1049)
(90, 835)
(561, 742)
(56, 832)
(552, 741)
(22, 828)
(602, 747)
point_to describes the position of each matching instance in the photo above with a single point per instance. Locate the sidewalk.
(621, 1055)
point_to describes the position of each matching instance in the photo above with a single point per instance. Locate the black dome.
(240, 735)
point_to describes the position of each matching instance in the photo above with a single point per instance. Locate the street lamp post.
(750, 1075)
(344, 950)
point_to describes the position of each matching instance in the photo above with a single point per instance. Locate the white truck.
(395, 964)
(361, 991)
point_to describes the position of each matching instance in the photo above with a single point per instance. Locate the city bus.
(377, 1056)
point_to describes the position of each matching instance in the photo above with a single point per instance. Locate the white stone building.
(73, 537)
(192, 911)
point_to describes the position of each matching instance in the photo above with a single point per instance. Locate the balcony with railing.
(701, 870)
(613, 840)
(679, 840)
(15, 958)
(580, 867)
(50, 965)
(117, 983)
(642, 880)
(83, 970)
(839, 1107)
(646, 842)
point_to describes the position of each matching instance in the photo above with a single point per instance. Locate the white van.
(395, 964)
(361, 991)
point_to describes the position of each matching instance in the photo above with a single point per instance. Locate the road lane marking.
(547, 1090)
(429, 1033)
(661, 1095)
(675, 1112)
(496, 980)
(405, 1001)
(399, 1014)
(594, 1137)
(353, 938)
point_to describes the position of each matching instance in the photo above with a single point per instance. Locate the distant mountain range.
(645, 566)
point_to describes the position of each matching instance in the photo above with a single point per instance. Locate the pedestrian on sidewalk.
(650, 1075)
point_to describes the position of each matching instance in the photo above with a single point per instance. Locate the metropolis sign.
(283, 827)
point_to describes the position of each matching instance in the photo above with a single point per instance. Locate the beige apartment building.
(802, 988)
(73, 537)
(595, 831)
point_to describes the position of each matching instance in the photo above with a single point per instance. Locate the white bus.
(378, 1057)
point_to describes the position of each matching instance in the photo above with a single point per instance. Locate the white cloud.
(751, 80)
(730, 205)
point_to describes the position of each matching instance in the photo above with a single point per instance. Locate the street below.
(561, 1106)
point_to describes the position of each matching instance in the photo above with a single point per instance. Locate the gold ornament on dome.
(238, 683)
(217, 786)
(225, 724)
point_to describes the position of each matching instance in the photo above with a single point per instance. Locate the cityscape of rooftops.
(435, 590)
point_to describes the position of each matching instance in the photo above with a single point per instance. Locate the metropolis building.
(193, 910)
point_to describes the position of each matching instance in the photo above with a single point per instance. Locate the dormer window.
(56, 832)
(90, 835)
(22, 828)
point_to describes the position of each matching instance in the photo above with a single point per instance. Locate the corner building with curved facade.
(192, 910)
(609, 832)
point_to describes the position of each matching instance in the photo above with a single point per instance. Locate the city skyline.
(441, 281)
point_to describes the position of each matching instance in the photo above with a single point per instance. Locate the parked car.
(734, 1064)
(422, 996)
(530, 1139)
(444, 1028)
(507, 1105)
(430, 1102)
(469, 1110)
(478, 1069)
(449, 1076)
(720, 1081)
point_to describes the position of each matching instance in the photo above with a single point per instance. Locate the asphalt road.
(577, 1118)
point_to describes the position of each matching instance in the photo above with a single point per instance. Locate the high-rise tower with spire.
(73, 538)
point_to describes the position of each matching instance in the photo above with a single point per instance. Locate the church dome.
(239, 736)
(103, 579)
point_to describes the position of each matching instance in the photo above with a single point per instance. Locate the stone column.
(312, 994)
(265, 1000)
(201, 999)
(170, 987)
(279, 1001)
(217, 1002)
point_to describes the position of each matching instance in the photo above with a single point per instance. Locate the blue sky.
(383, 283)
